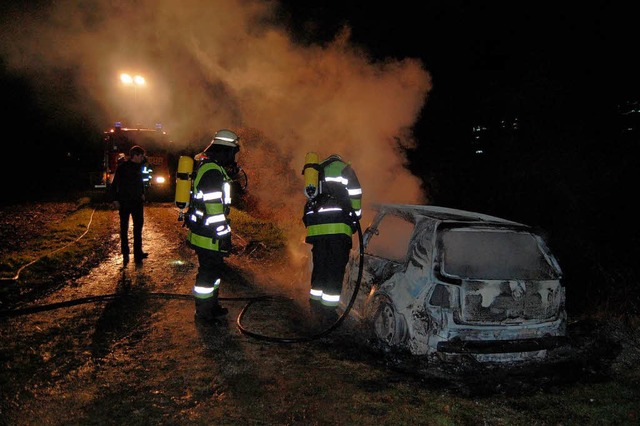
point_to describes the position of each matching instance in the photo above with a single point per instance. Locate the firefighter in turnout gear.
(206, 218)
(331, 217)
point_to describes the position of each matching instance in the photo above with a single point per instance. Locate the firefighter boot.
(323, 316)
(209, 310)
(329, 317)
(318, 311)
(217, 309)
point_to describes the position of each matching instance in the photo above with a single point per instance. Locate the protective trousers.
(330, 256)
(206, 288)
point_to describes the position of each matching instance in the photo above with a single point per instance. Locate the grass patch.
(257, 231)
(66, 242)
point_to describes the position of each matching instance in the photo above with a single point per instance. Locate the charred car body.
(455, 285)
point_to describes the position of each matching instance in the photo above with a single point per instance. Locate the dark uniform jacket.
(337, 208)
(127, 185)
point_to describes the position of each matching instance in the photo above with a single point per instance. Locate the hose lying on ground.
(299, 339)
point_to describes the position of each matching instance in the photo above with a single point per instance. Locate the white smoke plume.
(212, 64)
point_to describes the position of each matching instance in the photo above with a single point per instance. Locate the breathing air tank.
(183, 181)
(310, 172)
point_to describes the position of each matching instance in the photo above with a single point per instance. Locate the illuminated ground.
(120, 345)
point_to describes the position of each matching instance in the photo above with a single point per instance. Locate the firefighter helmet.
(222, 148)
(226, 137)
(332, 158)
(222, 139)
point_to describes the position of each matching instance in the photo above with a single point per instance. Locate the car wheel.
(388, 326)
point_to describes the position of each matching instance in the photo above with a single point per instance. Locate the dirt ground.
(119, 345)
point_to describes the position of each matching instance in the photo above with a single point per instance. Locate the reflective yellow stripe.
(204, 242)
(328, 229)
(214, 208)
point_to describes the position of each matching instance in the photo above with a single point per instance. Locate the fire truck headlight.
(160, 179)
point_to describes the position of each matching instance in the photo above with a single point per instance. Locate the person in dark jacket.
(127, 194)
(209, 231)
(331, 218)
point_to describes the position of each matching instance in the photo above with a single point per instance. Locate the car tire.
(388, 327)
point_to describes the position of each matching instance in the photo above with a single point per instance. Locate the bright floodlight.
(128, 80)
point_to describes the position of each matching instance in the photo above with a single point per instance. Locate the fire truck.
(159, 165)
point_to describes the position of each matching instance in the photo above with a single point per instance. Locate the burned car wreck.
(455, 285)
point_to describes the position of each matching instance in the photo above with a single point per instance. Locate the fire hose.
(299, 339)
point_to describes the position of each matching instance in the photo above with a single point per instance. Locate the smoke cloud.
(212, 64)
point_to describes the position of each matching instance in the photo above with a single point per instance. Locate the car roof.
(414, 213)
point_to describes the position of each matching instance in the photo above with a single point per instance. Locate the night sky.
(517, 54)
